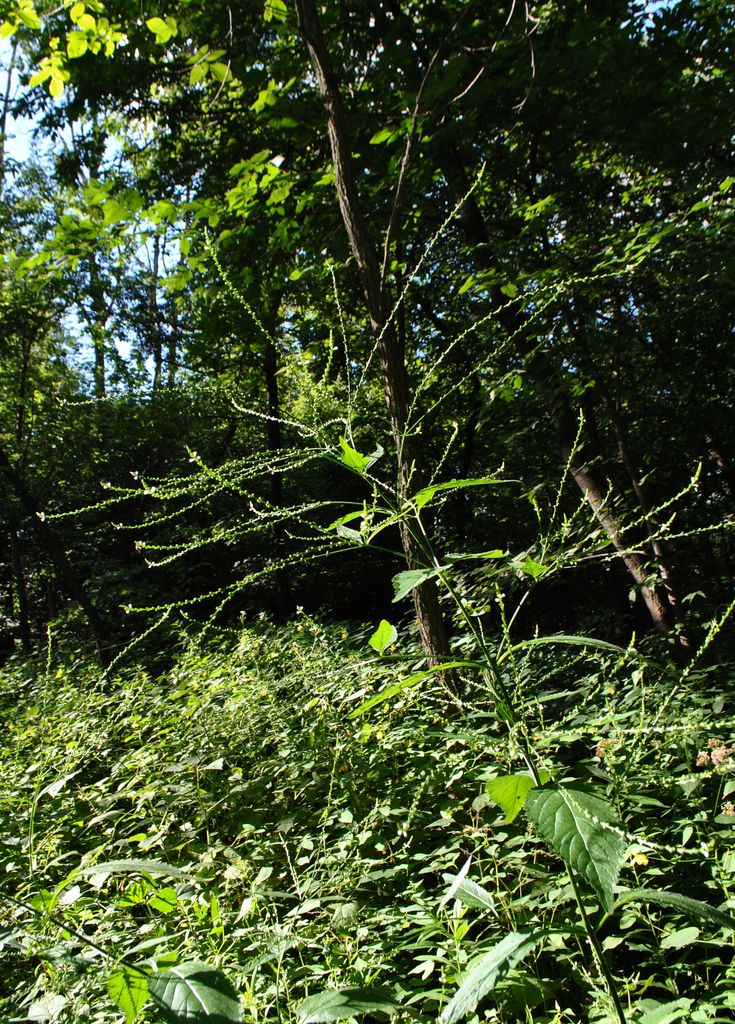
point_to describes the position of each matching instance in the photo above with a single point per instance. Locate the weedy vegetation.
(304, 822)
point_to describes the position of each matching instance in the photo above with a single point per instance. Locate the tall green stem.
(595, 943)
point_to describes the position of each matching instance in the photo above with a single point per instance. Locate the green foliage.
(572, 819)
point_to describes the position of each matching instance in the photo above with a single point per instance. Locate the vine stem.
(595, 942)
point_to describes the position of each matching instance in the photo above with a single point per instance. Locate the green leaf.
(343, 1003)
(684, 903)
(570, 819)
(666, 1013)
(561, 638)
(509, 792)
(140, 867)
(352, 459)
(530, 567)
(76, 44)
(413, 680)
(404, 582)
(679, 939)
(275, 9)
(384, 135)
(164, 30)
(510, 290)
(486, 974)
(383, 637)
(128, 990)
(422, 497)
(195, 993)
(345, 531)
(165, 900)
(29, 17)
(473, 895)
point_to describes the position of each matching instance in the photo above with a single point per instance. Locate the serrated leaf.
(140, 867)
(383, 637)
(694, 908)
(404, 582)
(128, 990)
(569, 818)
(666, 1013)
(485, 975)
(195, 993)
(353, 459)
(343, 1003)
(510, 791)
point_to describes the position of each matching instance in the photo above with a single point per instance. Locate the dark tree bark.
(512, 319)
(97, 325)
(393, 369)
(55, 547)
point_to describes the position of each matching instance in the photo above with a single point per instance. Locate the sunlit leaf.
(486, 974)
(509, 792)
(195, 993)
(571, 820)
(128, 989)
(383, 637)
(343, 1003)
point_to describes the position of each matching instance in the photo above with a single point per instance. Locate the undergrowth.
(242, 819)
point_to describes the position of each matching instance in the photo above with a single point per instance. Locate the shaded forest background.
(192, 313)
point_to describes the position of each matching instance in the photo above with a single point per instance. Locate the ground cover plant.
(236, 812)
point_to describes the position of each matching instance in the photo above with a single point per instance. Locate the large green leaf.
(140, 867)
(195, 993)
(424, 496)
(510, 791)
(562, 638)
(383, 637)
(571, 820)
(684, 903)
(405, 684)
(128, 989)
(486, 974)
(343, 1003)
(404, 582)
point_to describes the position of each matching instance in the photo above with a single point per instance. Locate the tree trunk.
(97, 324)
(6, 108)
(669, 595)
(395, 378)
(546, 379)
(58, 554)
(173, 336)
(24, 628)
